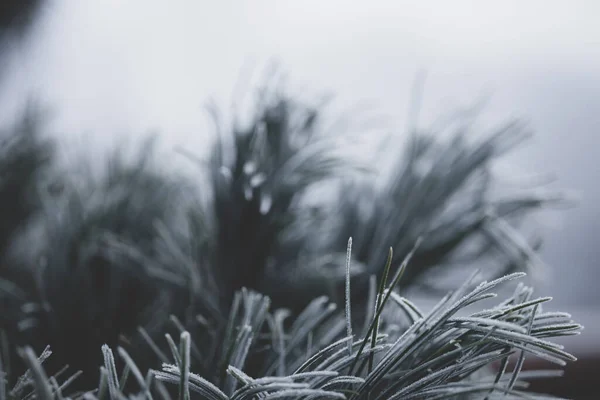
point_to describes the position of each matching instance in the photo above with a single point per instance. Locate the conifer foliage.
(143, 284)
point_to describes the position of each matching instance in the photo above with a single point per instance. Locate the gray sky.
(113, 69)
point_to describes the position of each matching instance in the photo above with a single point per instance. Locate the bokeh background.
(111, 70)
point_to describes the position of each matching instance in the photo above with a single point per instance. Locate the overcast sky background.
(113, 69)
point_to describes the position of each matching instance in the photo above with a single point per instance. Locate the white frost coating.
(266, 201)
